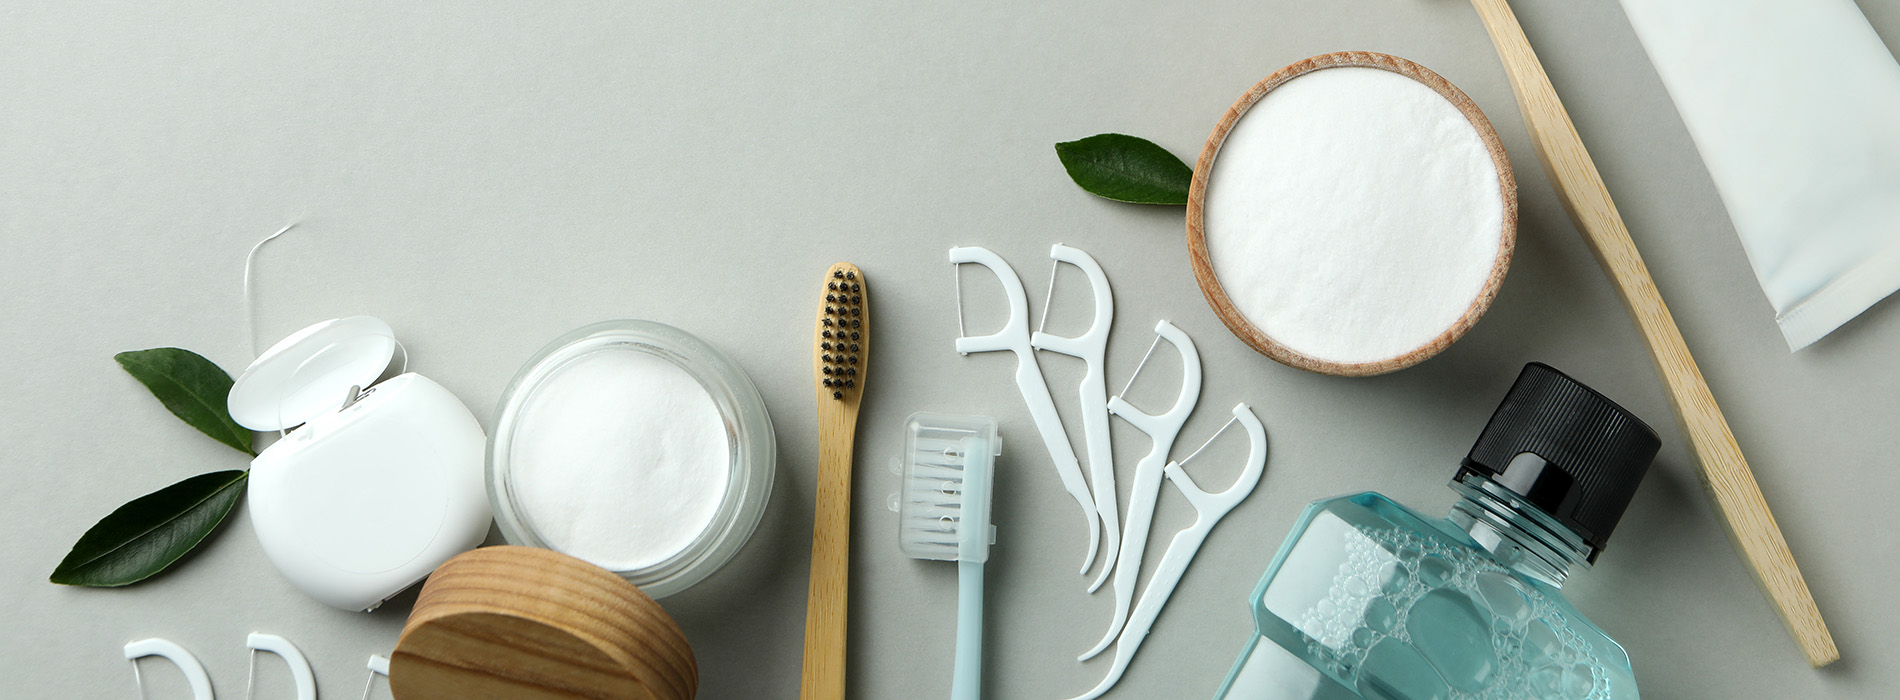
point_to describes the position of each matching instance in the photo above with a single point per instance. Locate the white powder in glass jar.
(620, 458)
(1353, 214)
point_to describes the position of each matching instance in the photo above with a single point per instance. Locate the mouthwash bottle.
(1370, 599)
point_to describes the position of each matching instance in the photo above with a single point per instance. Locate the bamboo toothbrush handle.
(840, 347)
(1724, 472)
(830, 554)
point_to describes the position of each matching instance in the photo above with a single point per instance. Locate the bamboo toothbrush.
(1724, 472)
(840, 346)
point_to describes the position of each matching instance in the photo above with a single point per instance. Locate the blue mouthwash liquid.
(1370, 599)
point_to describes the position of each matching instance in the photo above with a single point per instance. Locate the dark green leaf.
(143, 537)
(1126, 169)
(193, 389)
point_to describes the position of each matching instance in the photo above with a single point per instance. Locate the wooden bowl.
(525, 622)
(1197, 195)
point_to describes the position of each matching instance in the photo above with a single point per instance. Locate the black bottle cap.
(1565, 449)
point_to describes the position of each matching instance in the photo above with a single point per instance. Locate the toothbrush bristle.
(934, 510)
(843, 331)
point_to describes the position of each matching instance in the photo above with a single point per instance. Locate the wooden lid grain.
(524, 622)
(1197, 199)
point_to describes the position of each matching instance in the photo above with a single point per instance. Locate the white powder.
(1353, 214)
(620, 458)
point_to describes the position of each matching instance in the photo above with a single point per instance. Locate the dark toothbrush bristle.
(843, 314)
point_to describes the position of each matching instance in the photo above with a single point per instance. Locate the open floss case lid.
(310, 373)
(378, 483)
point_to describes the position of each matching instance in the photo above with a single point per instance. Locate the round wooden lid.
(524, 622)
(1197, 199)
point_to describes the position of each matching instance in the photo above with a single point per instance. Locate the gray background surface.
(487, 176)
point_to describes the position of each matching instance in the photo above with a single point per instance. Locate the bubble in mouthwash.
(1412, 616)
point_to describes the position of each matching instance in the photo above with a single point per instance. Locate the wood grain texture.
(837, 412)
(525, 622)
(1724, 472)
(1197, 201)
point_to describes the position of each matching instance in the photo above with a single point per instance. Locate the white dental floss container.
(376, 483)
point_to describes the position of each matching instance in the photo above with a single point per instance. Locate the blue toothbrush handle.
(967, 682)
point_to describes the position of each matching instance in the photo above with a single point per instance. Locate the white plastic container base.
(382, 481)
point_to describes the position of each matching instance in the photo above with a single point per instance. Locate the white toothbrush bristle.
(943, 501)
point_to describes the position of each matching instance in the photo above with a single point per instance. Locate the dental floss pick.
(378, 666)
(1162, 429)
(169, 650)
(306, 683)
(1092, 348)
(1015, 337)
(1209, 509)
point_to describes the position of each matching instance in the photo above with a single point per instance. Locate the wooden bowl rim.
(1258, 339)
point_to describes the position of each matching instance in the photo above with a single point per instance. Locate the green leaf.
(1126, 169)
(144, 536)
(192, 388)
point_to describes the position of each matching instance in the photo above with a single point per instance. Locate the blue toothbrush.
(944, 515)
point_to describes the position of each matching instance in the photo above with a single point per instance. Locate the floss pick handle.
(1092, 348)
(1014, 337)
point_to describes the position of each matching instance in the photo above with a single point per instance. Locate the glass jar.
(751, 459)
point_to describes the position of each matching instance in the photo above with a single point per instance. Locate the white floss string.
(250, 303)
(250, 310)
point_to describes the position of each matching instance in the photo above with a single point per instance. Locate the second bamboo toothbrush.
(1724, 472)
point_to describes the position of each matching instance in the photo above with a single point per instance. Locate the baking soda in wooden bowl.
(1352, 214)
